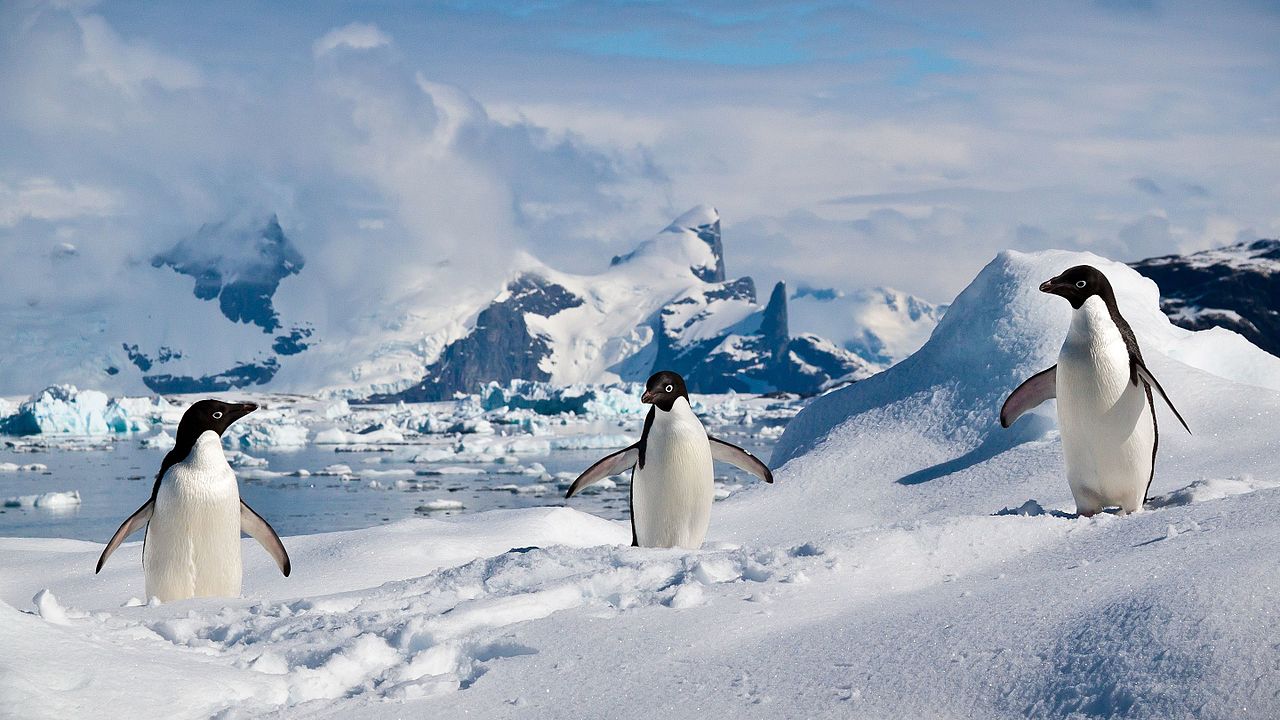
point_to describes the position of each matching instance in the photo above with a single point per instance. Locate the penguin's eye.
(1081, 283)
(670, 388)
(217, 415)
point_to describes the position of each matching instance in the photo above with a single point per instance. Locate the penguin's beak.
(647, 397)
(1051, 286)
(243, 409)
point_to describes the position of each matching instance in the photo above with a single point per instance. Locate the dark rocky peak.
(240, 263)
(1236, 287)
(535, 294)
(773, 322)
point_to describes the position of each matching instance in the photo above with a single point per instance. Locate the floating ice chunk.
(524, 489)
(238, 459)
(478, 426)
(274, 433)
(29, 467)
(771, 431)
(435, 454)
(592, 442)
(332, 436)
(335, 410)
(130, 415)
(599, 486)
(451, 470)
(49, 500)
(439, 506)
(161, 441)
(528, 445)
(336, 469)
(369, 436)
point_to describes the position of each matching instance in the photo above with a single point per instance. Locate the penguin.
(1106, 409)
(672, 486)
(195, 515)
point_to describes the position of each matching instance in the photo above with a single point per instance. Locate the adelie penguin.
(672, 486)
(1106, 409)
(195, 515)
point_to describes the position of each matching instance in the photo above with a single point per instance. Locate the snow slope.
(883, 574)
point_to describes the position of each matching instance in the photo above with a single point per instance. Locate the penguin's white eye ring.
(217, 415)
(670, 388)
(1081, 283)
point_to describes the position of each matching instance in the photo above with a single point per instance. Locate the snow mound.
(999, 331)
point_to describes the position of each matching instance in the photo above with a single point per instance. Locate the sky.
(845, 144)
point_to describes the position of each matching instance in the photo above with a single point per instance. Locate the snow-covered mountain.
(880, 325)
(666, 304)
(238, 305)
(1236, 287)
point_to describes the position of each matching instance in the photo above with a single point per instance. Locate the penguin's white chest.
(671, 495)
(192, 544)
(1108, 432)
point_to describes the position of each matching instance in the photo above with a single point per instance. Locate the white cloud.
(128, 65)
(44, 199)
(357, 36)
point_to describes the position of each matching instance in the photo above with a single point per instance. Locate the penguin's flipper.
(136, 522)
(1035, 390)
(1148, 378)
(614, 464)
(739, 458)
(260, 530)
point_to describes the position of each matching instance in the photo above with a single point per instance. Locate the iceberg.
(274, 433)
(67, 410)
(602, 401)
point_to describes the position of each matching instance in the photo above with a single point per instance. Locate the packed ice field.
(912, 559)
(320, 466)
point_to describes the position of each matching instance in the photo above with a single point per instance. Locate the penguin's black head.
(663, 389)
(212, 415)
(1079, 284)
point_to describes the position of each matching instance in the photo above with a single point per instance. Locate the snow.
(881, 575)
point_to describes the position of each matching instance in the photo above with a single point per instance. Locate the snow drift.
(912, 560)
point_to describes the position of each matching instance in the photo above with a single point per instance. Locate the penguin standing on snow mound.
(672, 486)
(1106, 411)
(195, 515)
